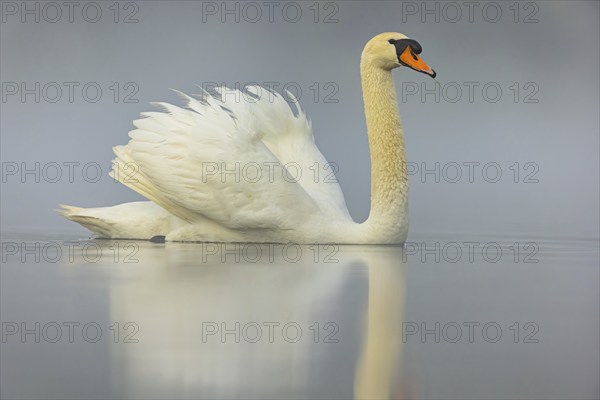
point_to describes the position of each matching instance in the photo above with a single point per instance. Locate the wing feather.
(204, 160)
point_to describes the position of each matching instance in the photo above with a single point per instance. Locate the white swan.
(231, 169)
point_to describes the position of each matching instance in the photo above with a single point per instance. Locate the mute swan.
(220, 170)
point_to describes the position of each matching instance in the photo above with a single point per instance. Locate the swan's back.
(241, 160)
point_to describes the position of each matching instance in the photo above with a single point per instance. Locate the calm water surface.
(444, 317)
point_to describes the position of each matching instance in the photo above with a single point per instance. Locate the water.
(444, 317)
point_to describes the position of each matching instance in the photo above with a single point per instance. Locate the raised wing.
(233, 160)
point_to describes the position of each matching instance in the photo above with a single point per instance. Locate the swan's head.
(390, 50)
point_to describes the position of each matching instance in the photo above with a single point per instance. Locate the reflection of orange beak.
(412, 60)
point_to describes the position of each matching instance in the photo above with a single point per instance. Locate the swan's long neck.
(388, 218)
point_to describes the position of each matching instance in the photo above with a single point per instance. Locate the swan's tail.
(136, 220)
(88, 217)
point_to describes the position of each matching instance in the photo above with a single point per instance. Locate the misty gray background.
(171, 47)
(170, 287)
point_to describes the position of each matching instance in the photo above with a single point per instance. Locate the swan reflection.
(257, 322)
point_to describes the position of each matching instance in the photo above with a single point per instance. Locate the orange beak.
(412, 60)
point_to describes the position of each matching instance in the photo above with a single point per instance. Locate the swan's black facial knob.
(401, 45)
(407, 51)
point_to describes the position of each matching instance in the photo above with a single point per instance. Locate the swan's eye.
(392, 41)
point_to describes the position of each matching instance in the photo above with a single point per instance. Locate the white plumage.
(238, 166)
